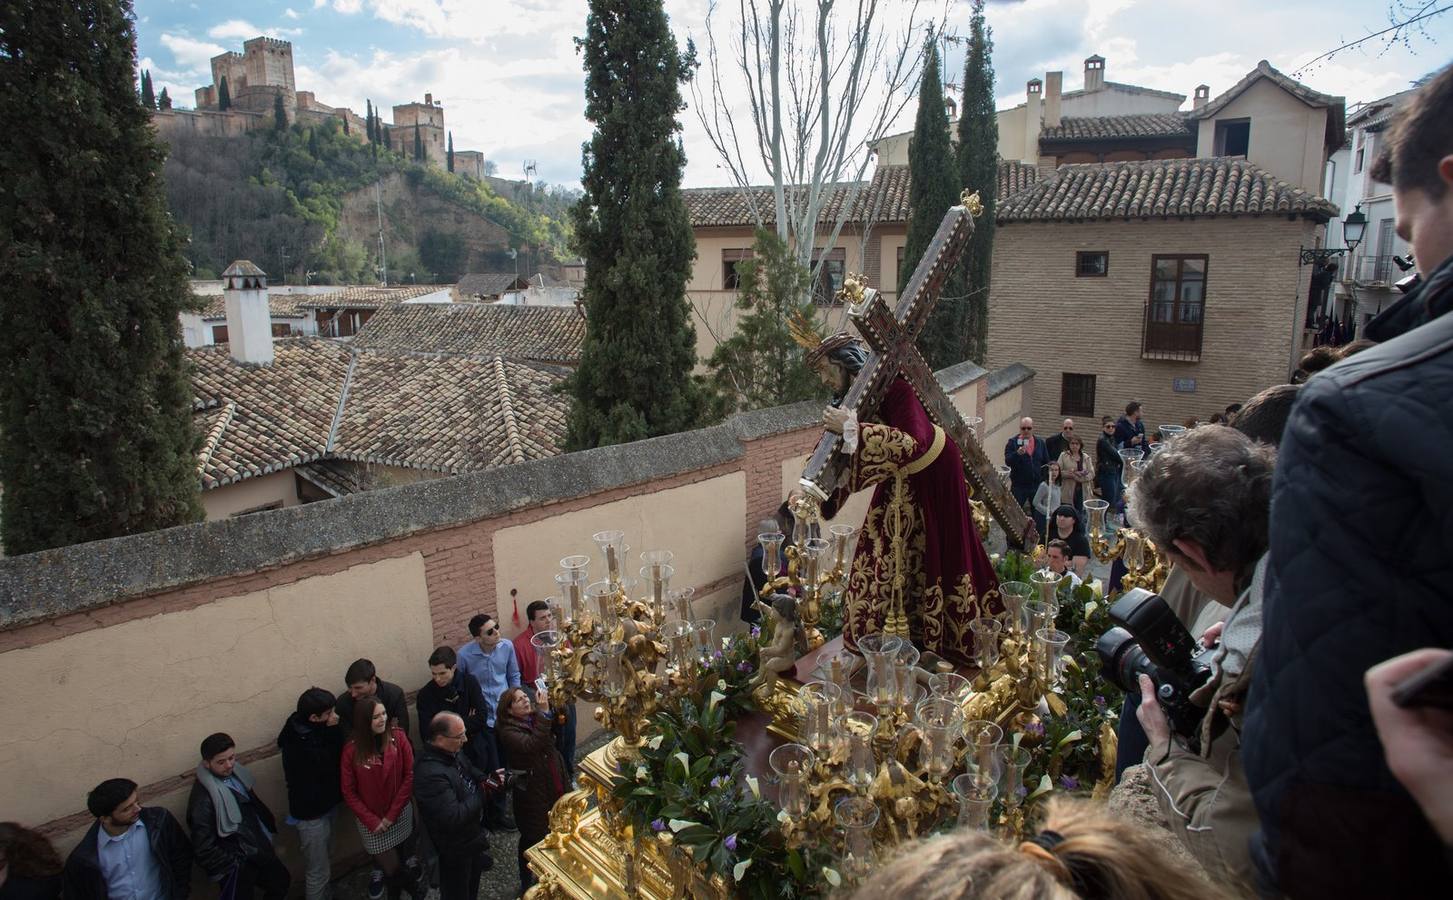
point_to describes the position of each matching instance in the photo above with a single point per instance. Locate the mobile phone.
(1432, 686)
(540, 683)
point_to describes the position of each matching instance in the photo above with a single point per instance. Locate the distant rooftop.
(368, 296)
(551, 334)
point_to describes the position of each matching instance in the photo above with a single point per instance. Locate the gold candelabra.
(812, 564)
(1145, 564)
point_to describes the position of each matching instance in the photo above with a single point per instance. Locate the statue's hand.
(833, 419)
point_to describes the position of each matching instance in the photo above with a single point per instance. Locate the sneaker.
(375, 885)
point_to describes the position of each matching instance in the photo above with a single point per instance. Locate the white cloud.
(347, 7)
(234, 28)
(192, 55)
(291, 13)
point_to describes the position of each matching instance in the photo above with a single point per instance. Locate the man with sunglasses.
(490, 658)
(1028, 462)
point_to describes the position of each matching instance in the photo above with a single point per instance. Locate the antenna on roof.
(530, 169)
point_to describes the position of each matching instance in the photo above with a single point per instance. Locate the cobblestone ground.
(500, 883)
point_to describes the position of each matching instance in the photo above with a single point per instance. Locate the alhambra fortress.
(263, 71)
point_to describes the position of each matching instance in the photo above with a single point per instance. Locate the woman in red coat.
(378, 783)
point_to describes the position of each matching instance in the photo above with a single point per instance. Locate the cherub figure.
(779, 655)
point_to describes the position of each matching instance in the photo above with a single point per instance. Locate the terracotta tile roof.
(735, 206)
(281, 306)
(1095, 128)
(1223, 186)
(884, 199)
(551, 334)
(335, 476)
(322, 400)
(488, 284)
(369, 296)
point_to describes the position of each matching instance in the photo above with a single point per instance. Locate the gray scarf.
(224, 801)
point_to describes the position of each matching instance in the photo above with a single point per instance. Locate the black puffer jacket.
(310, 754)
(451, 801)
(1361, 570)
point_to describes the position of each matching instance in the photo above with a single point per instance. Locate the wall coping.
(38, 586)
(1008, 378)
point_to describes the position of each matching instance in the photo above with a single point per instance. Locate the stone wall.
(119, 656)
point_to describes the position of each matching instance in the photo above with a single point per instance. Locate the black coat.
(463, 697)
(451, 801)
(169, 844)
(1107, 457)
(393, 700)
(310, 765)
(1361, 568)
(1026, 470)
(218, 855)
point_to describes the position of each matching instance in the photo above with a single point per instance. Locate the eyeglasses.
(1026, 428)
(494, 630)
(456, 737)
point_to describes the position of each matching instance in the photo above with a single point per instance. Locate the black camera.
(1151, 639)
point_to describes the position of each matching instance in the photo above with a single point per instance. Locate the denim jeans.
(1110, 490)
(316, 838)
(565, 742)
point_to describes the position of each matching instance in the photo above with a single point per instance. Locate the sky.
(512, 84)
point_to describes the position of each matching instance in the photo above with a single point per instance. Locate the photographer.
(1205, 502)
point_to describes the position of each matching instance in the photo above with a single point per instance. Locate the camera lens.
(1122, 660)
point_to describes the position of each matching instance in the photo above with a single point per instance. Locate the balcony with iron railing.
(1371, 269)
(1162, 337)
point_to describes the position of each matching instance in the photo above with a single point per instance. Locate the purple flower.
(1034, 728)
(658, 825)
(717, 782)
(716, 655)
(1022, 791)
(756, 631)
(744, 666)
(731, 842)
(1099, 703)
(1069, 782)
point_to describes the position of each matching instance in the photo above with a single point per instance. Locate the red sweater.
(525, 656)
(380, 788)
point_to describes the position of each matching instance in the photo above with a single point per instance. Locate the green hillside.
(276, 198)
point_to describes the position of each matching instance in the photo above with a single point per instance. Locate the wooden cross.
(891, 336)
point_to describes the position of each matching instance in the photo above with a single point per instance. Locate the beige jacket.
(1067, 477)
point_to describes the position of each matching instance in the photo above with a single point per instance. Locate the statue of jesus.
(920, 569)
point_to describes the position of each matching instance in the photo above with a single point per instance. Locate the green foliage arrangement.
(978, 162)
(760, 365)
(96, 435)
(634, 380)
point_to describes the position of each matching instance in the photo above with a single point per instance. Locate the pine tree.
(418, 144)
(632, 228)
(933, 187)
(368, 124)
(279, 114)
(163, 101)
(224, 99)
(96, 435)
(979, 171)
(148, 99)
(451, 151)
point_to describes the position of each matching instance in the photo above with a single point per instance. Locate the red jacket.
(525, 656)
(381, 788)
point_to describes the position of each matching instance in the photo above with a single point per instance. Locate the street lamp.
(1352, 229)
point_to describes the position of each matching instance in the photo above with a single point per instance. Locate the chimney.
(1053, 81)
(1203, 93)
(428, 99)
(1095, 73)
(249, 322)
(1033, 92)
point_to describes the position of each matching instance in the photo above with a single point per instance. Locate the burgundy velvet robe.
(949, 580)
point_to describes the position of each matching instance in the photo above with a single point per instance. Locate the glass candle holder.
(1046, 585)
(1134, 551)
(1003, 474)
(857, 817)
(816, 701)
(573, 577)
(1041, 615)
(942, 722)
(602, 599)
(613, 680)
(1169, 433)
(1156, 447)
(1096, 510)
(677, 634)
(842, 539)
(950, 686)
(1049, 648)
(771, 542)
(975, 799)
(703, 631)
(986, 631)
(974, 423)
(982, 759)
(545, 644)
(905, 676)
(855, 730)
(1013, 761)
(879, 650)
(1127, 459)
(660, 579)
(1015, 594)
(680, 600)
(612, 546)
(814, 551)
(656, 558)
(792, 763)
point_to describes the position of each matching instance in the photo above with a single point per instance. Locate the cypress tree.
(933, 187)
(224, 99)
(279, 114)
(388, 137)
(632, 228)
(96, 435)
(979, 171)
(346, 129)
(451, 151)
(418, 144)
(148, 99)
(368, 124)
(163, 101)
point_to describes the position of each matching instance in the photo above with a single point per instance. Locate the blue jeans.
(1110, 489)
(316, 838)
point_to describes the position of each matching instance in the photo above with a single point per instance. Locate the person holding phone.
(1412, 706)
(1028, 462)
(524, 732)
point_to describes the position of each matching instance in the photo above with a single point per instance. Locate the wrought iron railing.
(1169, 339)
